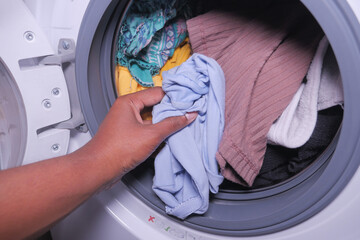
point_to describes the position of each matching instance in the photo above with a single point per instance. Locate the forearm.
(34, 196)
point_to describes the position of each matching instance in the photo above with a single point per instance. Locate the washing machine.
(56, 86)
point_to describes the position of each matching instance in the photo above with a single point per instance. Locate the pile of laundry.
(264, 82)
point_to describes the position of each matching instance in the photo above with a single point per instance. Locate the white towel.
(322, 90)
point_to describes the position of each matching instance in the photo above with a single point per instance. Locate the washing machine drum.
(237, 212)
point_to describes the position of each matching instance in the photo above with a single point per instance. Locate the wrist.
(96, 161)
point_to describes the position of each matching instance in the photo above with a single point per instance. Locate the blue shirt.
(186, 168)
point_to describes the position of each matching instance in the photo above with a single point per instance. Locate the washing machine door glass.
(12, 121)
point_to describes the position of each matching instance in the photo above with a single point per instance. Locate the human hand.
(124, 140)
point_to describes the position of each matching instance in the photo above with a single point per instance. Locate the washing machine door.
(12, 121)
(40, 111)
(34, 94)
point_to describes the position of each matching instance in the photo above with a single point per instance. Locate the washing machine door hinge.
(66, 59)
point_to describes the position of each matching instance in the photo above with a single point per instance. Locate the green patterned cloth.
(149, 36)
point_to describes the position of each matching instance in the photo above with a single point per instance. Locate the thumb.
(173, 124)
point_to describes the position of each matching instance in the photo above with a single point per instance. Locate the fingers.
(146, 98)
(173, 124)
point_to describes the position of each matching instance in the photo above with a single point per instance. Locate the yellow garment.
(126, 84)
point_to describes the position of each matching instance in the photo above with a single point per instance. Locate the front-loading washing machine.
(44, 57)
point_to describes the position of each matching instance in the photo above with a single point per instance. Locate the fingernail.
(191, 116)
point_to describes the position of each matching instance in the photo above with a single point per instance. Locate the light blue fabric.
(186, 168)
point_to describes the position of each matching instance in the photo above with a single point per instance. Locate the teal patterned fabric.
(149, 35)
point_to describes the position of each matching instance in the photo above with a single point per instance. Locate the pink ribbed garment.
(264, 66)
